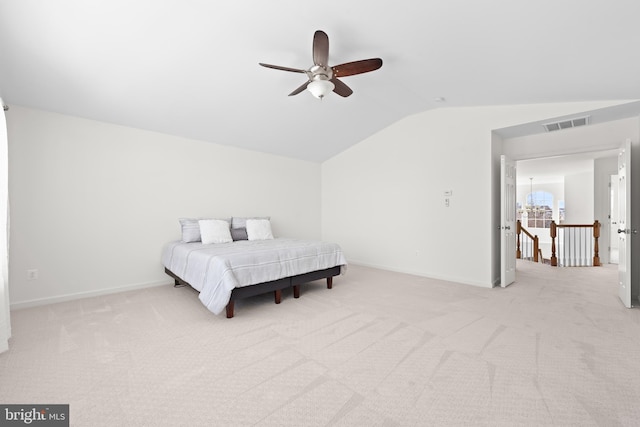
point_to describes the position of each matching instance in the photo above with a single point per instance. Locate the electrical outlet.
(32, 274)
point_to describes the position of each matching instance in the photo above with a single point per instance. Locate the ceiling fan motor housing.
(319, 72)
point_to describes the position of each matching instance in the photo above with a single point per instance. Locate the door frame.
(605, 146)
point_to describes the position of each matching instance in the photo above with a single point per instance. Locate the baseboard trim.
(422, 274)
(80, 295)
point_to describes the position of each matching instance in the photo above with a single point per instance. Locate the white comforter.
(216, 269)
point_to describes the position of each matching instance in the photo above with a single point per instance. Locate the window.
(538, 213)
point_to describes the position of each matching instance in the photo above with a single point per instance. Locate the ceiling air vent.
(566, 124)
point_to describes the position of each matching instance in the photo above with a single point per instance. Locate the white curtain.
(5, 323)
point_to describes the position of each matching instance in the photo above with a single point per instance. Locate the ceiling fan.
(323, 78)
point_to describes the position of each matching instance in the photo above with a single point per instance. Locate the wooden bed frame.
(276, 286)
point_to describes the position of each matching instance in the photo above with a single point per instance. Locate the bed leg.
(278, 295)
(230, 310)
(179, 284)
(296, 291)
(329, 282)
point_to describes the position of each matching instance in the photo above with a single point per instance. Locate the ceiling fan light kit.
(322, 78)
(320, 88)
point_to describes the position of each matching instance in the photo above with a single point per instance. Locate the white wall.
(383, 200)
(92, 203)
(81, 188)
(578, 198)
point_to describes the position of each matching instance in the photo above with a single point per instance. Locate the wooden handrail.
(536, 242)
(596, 235)
(574, 225)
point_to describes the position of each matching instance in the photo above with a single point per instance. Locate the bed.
(226, 272)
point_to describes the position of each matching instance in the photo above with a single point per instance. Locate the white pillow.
(241, 221)
(259, 229)
(214, 231)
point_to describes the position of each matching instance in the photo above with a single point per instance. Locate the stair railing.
(527, 246)
(577, 244)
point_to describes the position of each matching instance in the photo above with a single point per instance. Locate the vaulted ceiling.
(190, 67)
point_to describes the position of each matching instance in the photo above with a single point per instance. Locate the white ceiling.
(190, 67)
(554, 169)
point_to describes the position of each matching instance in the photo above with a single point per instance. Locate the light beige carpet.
(380, 349)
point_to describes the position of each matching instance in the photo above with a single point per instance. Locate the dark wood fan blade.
(320, 48)
(341, 88)
(300, 89)
(357, 67)
(278, 67)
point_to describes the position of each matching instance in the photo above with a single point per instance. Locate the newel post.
(552, 231)
(596, 234)
(518, 231)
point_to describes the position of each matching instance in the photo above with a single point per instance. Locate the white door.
(624, 227)
(507, 221)
(613, 221)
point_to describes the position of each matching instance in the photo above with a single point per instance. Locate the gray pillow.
(191, 228)
(239, 234)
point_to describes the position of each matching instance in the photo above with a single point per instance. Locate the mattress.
(216, 269)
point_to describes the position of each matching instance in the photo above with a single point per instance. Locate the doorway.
(577, 190)
(580, 184)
